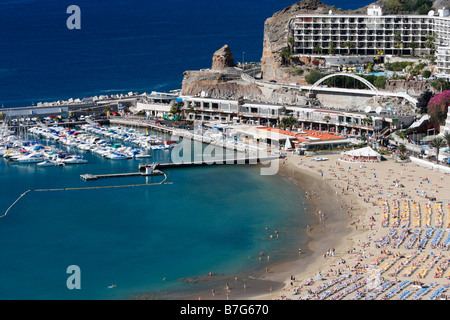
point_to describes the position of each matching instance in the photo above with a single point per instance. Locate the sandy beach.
(383, 238)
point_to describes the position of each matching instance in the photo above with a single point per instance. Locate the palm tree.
(438, 143)
(327, 119)
(317, 49)
(398, 42)
(291, 43)
(285, 55)
(402, 134)
(431, 40)
(331, 48)
(349, 45)
(368, 119)
(288, 122)
(413, 45)
(402, 150)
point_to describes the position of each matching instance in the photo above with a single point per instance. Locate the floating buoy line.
(85, 188)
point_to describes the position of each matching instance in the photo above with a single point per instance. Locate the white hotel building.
(393, 34)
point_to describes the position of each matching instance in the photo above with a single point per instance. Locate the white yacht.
(74, 159)
(30, 158)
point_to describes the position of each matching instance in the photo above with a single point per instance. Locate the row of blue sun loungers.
(423, 242)
(415, 235)
(397, 242)
(439, 291)
(437, 238)
(330, 283)
(447, 241)
(352, 284)
(379, 289)
(420, 293)
(397, 289)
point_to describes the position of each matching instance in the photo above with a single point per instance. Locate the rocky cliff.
(413, 87)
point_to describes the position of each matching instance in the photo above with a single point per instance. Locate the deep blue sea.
(207, 219)
(122, 46)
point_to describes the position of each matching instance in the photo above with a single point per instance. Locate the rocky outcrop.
(310, 61)
(413, 87)
(276, 35)
(222, 59)
(287, 97)
(397, 105)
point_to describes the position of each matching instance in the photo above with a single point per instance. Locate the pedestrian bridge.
(372, 91)
(371, 87)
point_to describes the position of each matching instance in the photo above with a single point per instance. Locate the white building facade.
(370, 34)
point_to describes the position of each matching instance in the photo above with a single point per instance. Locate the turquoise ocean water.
(209, 219)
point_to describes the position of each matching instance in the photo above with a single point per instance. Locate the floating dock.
(119, 175)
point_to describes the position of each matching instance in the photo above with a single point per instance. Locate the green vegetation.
(380, 82)
(317, 49)
(176, 108)
(331, 48)
(431, 43)
(422, 101)
(314, 76)
(349, 45)
(288, 122)
(297, 71)
(397, 66)
(438, 143)
(286, 56)
(407, 6)
(440, 85)
(402, 151)
(426, 74)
